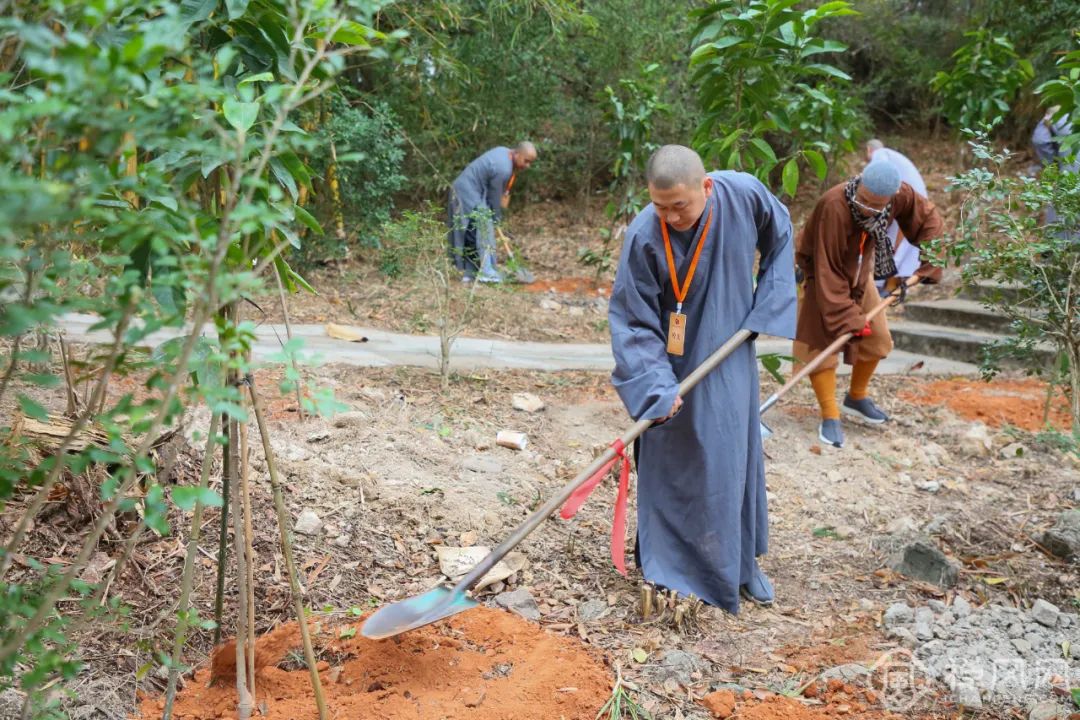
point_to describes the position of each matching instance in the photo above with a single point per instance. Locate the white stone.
(549, 305)
(1013, 451)
(527, 402)
(1045, 613)
(511, 439)
(308, 523)
(977, 440)
(353, 418)
(968, 696)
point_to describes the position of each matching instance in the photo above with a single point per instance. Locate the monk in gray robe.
(702, 516)
(477, 198)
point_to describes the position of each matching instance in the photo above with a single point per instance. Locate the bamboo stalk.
(288, 333)
(243, 620)
(249, 535)
(187, 578)
(284, 527)
(223, 533)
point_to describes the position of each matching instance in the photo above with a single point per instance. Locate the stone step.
(965, 345)
(988, 290)
(956, 313)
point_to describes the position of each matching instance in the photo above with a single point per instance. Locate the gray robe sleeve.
(773, 312)
(1043, 144)
(498, 177)
(643, 375)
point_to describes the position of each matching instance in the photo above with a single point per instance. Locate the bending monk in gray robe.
(702, 516)
(477, 198)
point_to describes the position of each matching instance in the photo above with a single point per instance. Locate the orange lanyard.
(681, 290)
(513, 175)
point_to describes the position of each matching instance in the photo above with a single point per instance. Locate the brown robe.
(837, 290)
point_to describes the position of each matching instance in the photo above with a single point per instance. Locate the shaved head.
(674, 165)
(872, 146)
(523, 155)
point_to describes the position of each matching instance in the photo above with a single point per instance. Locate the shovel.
(828, 352)
(521, 273)
(442, 601)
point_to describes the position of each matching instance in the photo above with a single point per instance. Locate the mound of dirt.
(1020, 403)
(480, 665)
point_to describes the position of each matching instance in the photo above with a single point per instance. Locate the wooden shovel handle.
(558, 499)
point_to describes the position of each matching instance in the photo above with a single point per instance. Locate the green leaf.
(791, 177)
(308, 220)
(285, 178)
(296, 168)
(766, 150)
(32, 409)
(45, 380)
(824, 69)
(236, 8)
(639, 655)
(193, 11)
(817, 162)
(1075, 693)
(241, 115)
(185, 497)
(347, 633)
(258, 77)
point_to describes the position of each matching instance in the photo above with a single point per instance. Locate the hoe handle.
(558, 499)
(832, 349)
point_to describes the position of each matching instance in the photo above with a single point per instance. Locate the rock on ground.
(1064, 538)
(308, 523)
(997, 655)
(922, 561)
(519, 601)
(526, 402)
(678, 665)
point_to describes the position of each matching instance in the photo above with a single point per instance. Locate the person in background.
(905, 255)
(843, 248)
(477, 198)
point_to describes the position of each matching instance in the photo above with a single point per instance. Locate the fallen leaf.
(343, 332)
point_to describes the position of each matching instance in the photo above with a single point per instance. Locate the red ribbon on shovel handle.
(618, 523)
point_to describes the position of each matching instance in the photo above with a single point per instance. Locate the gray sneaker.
(829, 431)
(864, 409)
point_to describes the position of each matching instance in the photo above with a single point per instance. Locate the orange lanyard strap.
(681, 290)
(862, 243)
(513, 175)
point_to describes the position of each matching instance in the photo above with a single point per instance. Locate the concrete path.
(385, 349)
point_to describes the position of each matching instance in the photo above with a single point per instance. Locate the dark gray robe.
(702, 515)
(480, 185)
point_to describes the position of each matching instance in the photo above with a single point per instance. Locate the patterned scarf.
(875, 226)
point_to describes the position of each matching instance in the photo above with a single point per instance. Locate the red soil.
(570, 286)
(481, 665)
(1019, 403)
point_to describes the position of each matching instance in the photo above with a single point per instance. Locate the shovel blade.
(414, 612)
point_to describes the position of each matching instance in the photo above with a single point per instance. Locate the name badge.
(676, 334)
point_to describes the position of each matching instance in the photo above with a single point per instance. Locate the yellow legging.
(824, 383)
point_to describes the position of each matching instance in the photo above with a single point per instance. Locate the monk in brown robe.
(842, 249)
